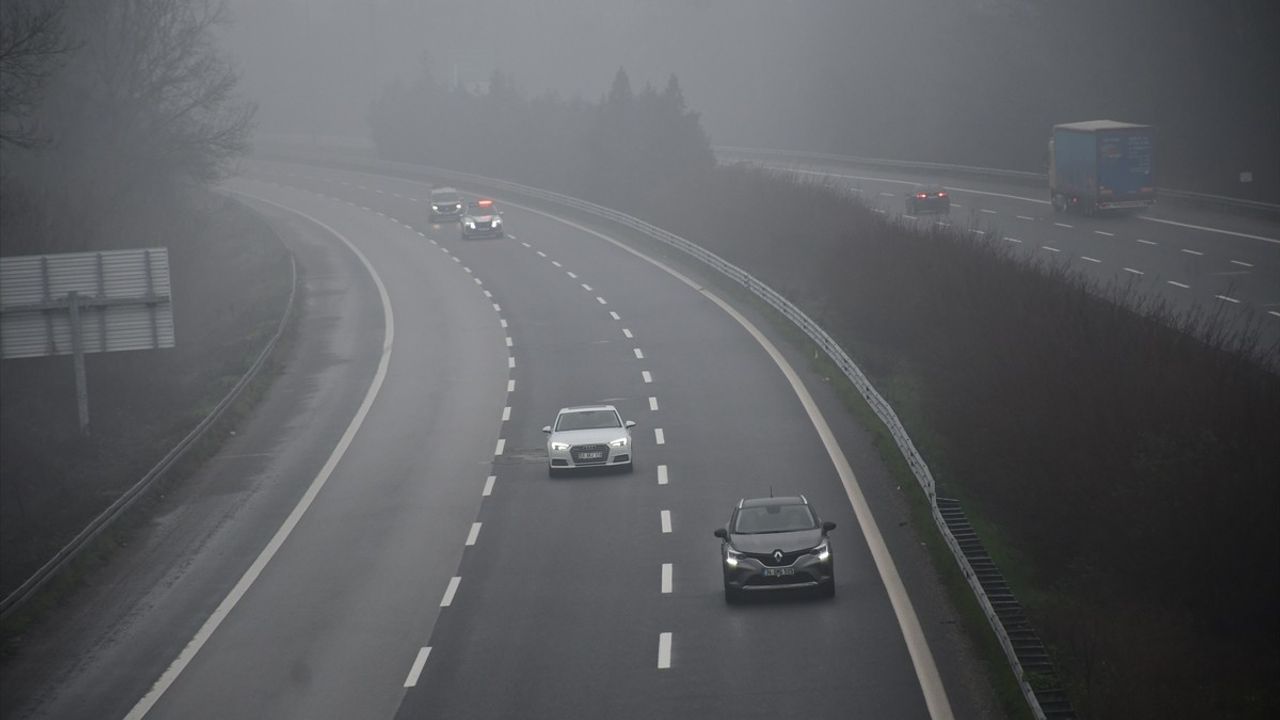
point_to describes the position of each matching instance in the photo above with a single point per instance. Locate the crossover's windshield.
(774, 519)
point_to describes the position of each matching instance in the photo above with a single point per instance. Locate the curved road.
(419, 562)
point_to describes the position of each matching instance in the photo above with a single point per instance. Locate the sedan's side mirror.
(630, 424)
(828, 526)
(546, 429)
(722, 533)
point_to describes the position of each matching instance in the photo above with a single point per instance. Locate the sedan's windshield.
(588, 420)
(445, 199)
(774, 519)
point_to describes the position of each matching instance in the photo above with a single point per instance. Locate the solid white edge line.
(665, 516)
(664, 651)
(418, 663)
(666, 578)
(450, 591)
(935, 695)
(488, 486)
(662, 474)
(473, 534)
(170, 675)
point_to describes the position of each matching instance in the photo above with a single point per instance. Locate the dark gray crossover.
(446, 204)
(775, 543)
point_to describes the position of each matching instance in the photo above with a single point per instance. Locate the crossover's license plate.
(591, 456)
(779, 572)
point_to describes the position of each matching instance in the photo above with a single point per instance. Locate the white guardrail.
(810, 328)
(731, 153)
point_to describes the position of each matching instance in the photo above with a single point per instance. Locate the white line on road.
(658, 437)
(475, 533)
(1192, 252)
(885, 194)
(449, 592)
(664, 651)
(639, 354)
(1135, 272)
(979, 232)
(497, 308)
(601, 300)
(1064, 225)
(1024, 217)
(646, 376)
(541, 254)
(627, 333)
(1013, 239)
(653, 404)
(466, 269)
(662, 474)
(989, 212)
(1104, 232)
(1228, 299)
(509, 341)
(556, 263)
(506, 414)
(188, 653)
(1273, 241)
(666, 578)
(478, 281)
(525, 244)
(571, 274)
(1273, 312)
(1241, 263)
(1147, 242)
(502, 444)
(1178, 284)
(1050, 249)
(614, 315)
(586, 287)
(511, 362)
(666, 521)
(488, 486)
(502, 322)
(416, 670)
(1092, 260)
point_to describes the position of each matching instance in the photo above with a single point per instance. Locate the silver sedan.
(589, 436)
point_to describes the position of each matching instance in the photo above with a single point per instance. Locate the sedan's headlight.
(559, 446)
(732, 557)
(823, 551)
(620, 442)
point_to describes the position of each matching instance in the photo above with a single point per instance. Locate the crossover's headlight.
(559, 446)
(823, 551)
(497, 220)
(620, 442)
(471, 224)
(732, 557)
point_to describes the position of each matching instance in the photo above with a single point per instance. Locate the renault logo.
(777, 556)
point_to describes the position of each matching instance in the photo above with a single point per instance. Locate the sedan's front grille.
(590, 454)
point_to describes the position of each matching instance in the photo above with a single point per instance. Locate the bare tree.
(32, 43)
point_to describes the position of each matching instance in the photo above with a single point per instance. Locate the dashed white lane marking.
(466, 269)
(1273, 312)
(658, 437)
(1064, 225)
(626, 333)
(1050, 249)
(885, 194)
(664, 651)
(362, 207)
(457, 259)
(940, 223)
(475, 533)
(614, 315)
(1228, 299)
(1273, 241)
(506, 413)
(1104, 232)
(989, 212)
(1241, 263)
(421, 234)
(878, 210)
(1147, 242)
(381, 214)
(1192, 252)
(586, 287)
(1135, 272)
(488, 486)
(646, 376)
(1024, 217)
(379, 191)
(511, 362)
(416, 670)
(450, 591)
(496, 306)
(502, 444)
(525, 244)
(1090, 259)
(541, 254)
(601, 300)
(653, 404)
(511, 386)
(639, 354)
(571, 274)
(502, 322)
(666, 578)
(478, 282)
(979, 232)
(1013, 239)
(509, 341)
(1175, 283)
(665, 515)
(242, 586)
(662, 474)
(910, 217)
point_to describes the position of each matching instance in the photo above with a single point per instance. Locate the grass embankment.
(231, 280)
(1121, 471)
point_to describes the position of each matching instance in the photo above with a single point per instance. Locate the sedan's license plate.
(779, 572)
(591, 455)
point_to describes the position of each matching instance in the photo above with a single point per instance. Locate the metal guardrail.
(1022, 177)
(72, 550)
(810, 328)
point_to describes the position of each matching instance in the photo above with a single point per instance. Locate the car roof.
(586, 408)
(765, 501)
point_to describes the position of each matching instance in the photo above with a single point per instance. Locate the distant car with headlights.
(586, 436)
(775, 543)
(482, 219)
(446, 204)
(928, 198)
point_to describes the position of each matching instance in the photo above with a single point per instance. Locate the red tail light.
(922, 195)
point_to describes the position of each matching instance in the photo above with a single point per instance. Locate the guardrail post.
(77, 353)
